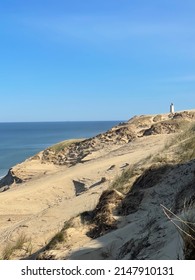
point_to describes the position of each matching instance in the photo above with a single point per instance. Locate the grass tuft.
(7, 252)
(58, 238)
(10, 248)
(122, 182)
(185, 225)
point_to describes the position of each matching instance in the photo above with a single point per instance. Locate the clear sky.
(63, 60)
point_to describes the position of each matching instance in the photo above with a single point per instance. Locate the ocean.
(19, 141)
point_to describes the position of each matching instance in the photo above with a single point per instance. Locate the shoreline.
(22, 140)
(4, 174)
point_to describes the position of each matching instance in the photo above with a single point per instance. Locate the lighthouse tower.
(172, 108)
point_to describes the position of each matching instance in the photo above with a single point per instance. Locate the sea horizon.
(60, 121)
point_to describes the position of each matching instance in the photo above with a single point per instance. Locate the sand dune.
(47, 195)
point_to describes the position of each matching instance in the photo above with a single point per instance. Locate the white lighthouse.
(172, 108)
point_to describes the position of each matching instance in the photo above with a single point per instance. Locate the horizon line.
(59, 121)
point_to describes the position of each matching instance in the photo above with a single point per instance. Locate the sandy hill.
(125, 194)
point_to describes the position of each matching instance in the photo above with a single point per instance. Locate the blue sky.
(95, 60)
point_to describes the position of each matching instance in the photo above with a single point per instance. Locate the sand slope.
(50, 194)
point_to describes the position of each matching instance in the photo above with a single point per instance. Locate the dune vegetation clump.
(184, 144)
(64, 144)
(188, 233)
(121, 182)
(21, 243)
(103, 219)
(59, 237)
(185, 224)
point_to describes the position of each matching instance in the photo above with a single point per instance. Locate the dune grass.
(185, 224)
(188, 234)
(19, 244)
(185, 142)
(123, 179)
(59, 237)
(64, 144)
(180, 149)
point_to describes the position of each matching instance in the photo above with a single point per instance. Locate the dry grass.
(22, 239)
(7, 252)
(187, 149)
(185, 224)
(103, 219)
(185, 144)
(19, 244)
(188, 231)
(189, 242)
(180, 149)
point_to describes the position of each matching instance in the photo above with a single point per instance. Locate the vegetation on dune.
(59, 237)
(64, 144)
(188, 234)
(103, 220)
(21, 243)
(179, 149)
(185, 224)
(187, 146)
(121, 182)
